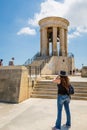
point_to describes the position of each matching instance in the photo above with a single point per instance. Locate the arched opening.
(50, 39)
(58, 41)
(50, 48)
(58, 47)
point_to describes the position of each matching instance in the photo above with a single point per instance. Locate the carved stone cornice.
(54, 21)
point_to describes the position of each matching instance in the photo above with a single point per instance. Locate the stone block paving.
(40, 114)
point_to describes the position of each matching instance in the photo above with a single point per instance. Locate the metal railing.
(36, 70)
(70, 54)
(29, 61)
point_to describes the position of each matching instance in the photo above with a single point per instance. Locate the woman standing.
(63, 99)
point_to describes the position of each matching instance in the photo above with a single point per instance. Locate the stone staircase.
(48, 89)
(37, 65)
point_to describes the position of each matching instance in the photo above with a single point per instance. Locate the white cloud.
(73, 35)
(48, 8)
(78, 32)
(26, 31)
(73, 10)
(82, 29)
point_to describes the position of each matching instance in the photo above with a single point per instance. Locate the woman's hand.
(57, 80)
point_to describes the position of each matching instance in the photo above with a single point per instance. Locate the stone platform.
(40, 114)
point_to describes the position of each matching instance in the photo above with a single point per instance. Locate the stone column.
(44, 42)
(66, 49)
(62, 49)
(40, 42)
(47, 47)
(54, 47)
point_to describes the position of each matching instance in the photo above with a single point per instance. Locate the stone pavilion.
(53, 43)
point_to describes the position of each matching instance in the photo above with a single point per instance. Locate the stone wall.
(14, 84)
(84, 71)
(71, 65)
(58, 63)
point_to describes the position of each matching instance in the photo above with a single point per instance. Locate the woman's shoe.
(67, 126)
(53, 128)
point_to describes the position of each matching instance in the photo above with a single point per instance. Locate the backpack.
(71, 90)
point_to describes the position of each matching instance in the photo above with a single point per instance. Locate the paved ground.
(72, 78)
(40, 114)
(78, 79)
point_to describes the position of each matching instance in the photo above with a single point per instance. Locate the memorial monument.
(53, 43)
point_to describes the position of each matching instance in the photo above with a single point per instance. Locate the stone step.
(44, 92)
(55, 90)
(50, 81)
(55, 96)
(80, 94)
(83, 90)
(51, 88)
(44, 96)
(55, 93)
(53, 84)
(48, 89)
(55, 87)
(79, 98)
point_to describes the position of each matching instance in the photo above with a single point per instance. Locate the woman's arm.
(57, 80)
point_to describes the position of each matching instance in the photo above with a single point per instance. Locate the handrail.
(29, 61)
(37, 69)
(70, 54)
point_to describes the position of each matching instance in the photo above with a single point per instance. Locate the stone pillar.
(66, 49)
(54, 47)
(62, 49)
(44, 42)
(47, 47)
(40, 42)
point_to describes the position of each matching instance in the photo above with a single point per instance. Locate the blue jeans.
(63, 100)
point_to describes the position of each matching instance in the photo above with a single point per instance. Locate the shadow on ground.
(64, 128)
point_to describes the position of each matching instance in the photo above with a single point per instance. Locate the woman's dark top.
(62, 90)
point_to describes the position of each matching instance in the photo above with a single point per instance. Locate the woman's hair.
(65, 81)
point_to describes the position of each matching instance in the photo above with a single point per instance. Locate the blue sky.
(19, 30)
